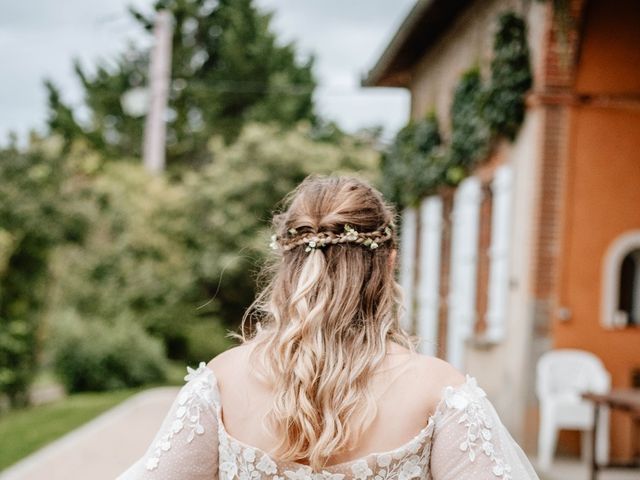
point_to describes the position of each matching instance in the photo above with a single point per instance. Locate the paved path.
(102, 448)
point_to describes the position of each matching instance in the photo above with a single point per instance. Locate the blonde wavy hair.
(323, 320)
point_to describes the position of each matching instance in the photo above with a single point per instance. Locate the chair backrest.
(570, 371)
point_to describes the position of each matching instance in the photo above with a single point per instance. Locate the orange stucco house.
(551, 220)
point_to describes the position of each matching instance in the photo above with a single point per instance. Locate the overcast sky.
(40, 38)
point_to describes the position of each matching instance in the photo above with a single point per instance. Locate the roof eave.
(377, 76)
(424, 24)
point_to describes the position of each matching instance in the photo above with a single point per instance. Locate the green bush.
(132, 261)
(183, 253)
(36, 215)
(95, 356)
(205, 340)
(99, 257)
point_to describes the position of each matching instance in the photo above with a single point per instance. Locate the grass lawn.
(25, 431)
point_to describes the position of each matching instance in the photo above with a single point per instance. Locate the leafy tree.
(34, 218)
(179, 258)
(227, 69)
(131, 266)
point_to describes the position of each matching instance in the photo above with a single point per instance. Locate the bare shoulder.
(230, 360)
(440, 373)
(423, 379)
(432, 371)
(427, 377)
(437, 374)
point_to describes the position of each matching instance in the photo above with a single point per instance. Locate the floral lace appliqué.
(468, 400)
(198, 393)
(241, 461)
(408, 462)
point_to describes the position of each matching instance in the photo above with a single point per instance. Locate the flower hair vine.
(313, 241)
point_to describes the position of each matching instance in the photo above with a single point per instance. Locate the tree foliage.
(93, 355)
(91, 245)
(34, 217)
(131, 266)
(227, 69)
(172, 255)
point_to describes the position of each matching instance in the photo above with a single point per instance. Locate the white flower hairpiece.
(322, 239)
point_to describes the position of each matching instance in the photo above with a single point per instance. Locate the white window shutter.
(407, 263)
(499, 254)
(429, 278)
(463, 268)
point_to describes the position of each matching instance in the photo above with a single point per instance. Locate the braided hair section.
(312, 240)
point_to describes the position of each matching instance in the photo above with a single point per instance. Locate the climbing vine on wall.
(469, 130)
(510, 77)
(417, 163)
(409, 167)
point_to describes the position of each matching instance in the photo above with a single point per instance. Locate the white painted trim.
(611, 264)
(407, 262)
(498, 291)
(464, 263)
(428, 288)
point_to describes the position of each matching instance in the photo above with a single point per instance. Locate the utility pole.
(155, 129)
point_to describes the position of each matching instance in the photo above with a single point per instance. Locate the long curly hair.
(321, 325)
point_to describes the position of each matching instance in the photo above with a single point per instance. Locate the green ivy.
(510, 77)
(417, 163)
(470, 134)
(408, 169)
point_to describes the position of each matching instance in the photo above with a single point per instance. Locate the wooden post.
(159, 78)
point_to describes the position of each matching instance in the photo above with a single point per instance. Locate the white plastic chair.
(562, 376)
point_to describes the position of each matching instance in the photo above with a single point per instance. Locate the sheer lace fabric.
(463, 440)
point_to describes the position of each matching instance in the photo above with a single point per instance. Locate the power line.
(294, 89)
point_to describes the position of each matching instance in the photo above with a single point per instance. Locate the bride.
(328, 385)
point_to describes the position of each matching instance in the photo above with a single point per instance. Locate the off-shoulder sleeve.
(186, 446)
(471, 443)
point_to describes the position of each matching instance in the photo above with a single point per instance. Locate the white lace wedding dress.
(464, 439)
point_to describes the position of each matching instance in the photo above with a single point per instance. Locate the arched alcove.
(621, 282)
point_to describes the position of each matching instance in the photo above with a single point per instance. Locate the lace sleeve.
(470, 441)
(186, 446)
